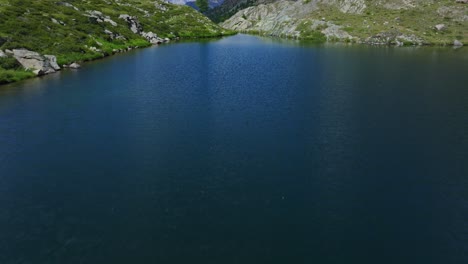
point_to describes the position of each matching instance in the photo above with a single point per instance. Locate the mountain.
(399, 22)
(230, 7)
(74, 31)
(191, 3)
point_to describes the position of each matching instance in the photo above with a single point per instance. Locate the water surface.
(240, 150)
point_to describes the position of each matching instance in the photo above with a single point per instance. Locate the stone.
(34, 61)
(67, 5)
(2, 54)
(457, 43)
(110, 21)
(440, 27)
(52, 62)
(38, 72)
(98, 17)
(94, 49)
(133, 23)
(152, 37)
(74, 66)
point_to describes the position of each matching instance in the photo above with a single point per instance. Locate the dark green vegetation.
(11, 71)
(202, 5)
(66, 29)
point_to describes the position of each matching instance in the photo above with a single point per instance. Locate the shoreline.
(319, 41)
(29, 74)
(263, 35)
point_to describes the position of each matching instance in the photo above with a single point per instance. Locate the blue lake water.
(239, 150)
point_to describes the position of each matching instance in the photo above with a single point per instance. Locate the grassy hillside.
(419, 20)
(68, 29)
(398, 22)
(230, 7)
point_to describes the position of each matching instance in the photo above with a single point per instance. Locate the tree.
(202, 5)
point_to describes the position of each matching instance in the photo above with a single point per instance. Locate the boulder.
(67, 5)
(38, 72)
(2, 54)
(74, 66)
(440, 27)
(34, 61)
(152, 37)
(133, 23)
(98, 17)
(457, 43)
(53, 62)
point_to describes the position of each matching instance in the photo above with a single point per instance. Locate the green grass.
(378, 18)
(309, 34)
(29, 24)
(9, 76)
(417, 21)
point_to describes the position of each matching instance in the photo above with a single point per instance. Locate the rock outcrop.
(136, 27)
(97, 17)
(363, 21)
(39, 64)
(74, 66)
(87, 30)
(152, 37)
(133, 23)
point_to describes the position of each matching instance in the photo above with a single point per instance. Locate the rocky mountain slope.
(399, 22)
(230, 7)
(191, 3)
(40, 37)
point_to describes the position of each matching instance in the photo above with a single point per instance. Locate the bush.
(9, 63)
(9, 76)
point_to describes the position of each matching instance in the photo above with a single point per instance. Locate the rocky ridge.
(397, 22)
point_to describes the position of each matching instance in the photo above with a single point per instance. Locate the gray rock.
(133, 23)
(152, 37)
(98, 17)
(457, 43)
(38, 72)
(74, 66)
(52, 62)
(34, 61)
(110, 21)
(2, 54)
(440, 27)
(55, 21)
(67, 5)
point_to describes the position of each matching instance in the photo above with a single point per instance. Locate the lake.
(239, 150)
